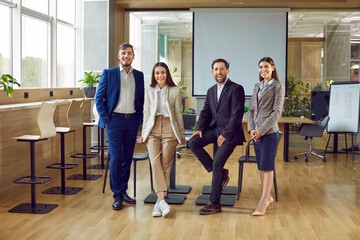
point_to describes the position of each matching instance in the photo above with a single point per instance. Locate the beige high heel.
(267, 207)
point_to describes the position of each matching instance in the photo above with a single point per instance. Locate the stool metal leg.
(106, 172)
(33, 207)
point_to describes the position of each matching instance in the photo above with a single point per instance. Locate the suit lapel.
(267, 89)
(118, 82)
(223, 92)
(214, 99)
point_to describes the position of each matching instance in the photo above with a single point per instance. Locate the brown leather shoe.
(210, 208)
(225, 179)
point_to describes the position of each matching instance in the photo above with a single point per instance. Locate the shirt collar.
(122, 69)
(222, 85)
(158, 89)
(269, 83)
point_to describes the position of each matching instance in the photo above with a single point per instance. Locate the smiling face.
(266, 70)
(126, 56)
(160, 76)
(220, 72)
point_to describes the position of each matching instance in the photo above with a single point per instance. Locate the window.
(66, 10)
(5, 40)
(35, 52)
(41, 6)
(65, 76)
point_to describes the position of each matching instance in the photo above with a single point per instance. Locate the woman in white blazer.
(162, 130)
(265, 109)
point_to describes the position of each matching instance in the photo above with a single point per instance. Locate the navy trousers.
(216, 165)
(121, 133)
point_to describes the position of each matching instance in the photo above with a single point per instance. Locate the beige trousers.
(161, 145)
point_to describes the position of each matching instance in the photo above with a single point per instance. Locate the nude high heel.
(267, 206)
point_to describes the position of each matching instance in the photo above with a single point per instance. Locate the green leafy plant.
(317, 87)
(179, 83)
(6, 83)
(298, 102)
(90, 79)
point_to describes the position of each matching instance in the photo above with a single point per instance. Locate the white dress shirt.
(162, 108)
(220, 88)
(126, 103)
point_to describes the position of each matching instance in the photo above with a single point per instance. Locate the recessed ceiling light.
(237, 3)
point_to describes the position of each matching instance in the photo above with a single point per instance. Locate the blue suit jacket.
(108, 93)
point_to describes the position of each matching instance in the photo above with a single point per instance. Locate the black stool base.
(170, 199)
(38, 209)
(229, 190)
(180, 189)
(224, 200)
(97, 166)
(90, 177)
(68, 190)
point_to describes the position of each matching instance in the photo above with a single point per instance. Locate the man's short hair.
(220, 60)
(126, 45)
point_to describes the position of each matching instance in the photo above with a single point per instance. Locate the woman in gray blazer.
(162, 130)
(264, 111)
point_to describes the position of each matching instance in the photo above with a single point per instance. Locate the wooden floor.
(316, 201)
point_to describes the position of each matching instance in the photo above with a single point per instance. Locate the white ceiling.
(301, 24)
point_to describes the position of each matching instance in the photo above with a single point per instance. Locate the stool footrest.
(80, 155)
(33, 180)
(60, 166)
(97, 147)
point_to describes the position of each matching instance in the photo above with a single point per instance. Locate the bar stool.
(74, 122)
(47, 129)
(136, 157)
(101, 147)
(84, 155)
(252, 159)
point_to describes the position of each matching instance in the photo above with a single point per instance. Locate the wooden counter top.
(20, 106)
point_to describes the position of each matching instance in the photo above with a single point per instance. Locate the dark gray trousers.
(216, 165)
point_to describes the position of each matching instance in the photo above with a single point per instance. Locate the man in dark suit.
(119, 101)
(220, 123)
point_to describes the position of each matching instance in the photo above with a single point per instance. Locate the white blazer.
(175, 108)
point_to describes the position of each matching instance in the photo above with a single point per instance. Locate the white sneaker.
(157, 210)
(164, 208)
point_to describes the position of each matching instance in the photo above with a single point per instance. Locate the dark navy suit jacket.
(226, 114)
(108, 93)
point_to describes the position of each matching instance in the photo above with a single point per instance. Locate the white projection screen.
(242, 37)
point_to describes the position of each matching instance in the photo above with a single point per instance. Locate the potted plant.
(298, 100)
(6, 83)
(90, 80)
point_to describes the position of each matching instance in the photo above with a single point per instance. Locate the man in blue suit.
(119, 102)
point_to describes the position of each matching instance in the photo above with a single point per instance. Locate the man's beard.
(125, 65)
(222, 80)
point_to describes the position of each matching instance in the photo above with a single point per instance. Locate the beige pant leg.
(161, 145)
(155, 154)
(168, 151)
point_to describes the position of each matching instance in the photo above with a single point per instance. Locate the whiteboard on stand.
(344, 107)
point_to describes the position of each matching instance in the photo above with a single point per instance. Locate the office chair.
(309, 131)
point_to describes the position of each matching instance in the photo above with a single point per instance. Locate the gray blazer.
(267, 109)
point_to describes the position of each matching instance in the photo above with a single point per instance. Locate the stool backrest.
(96, 114)
(74, 118)
(45, 120)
